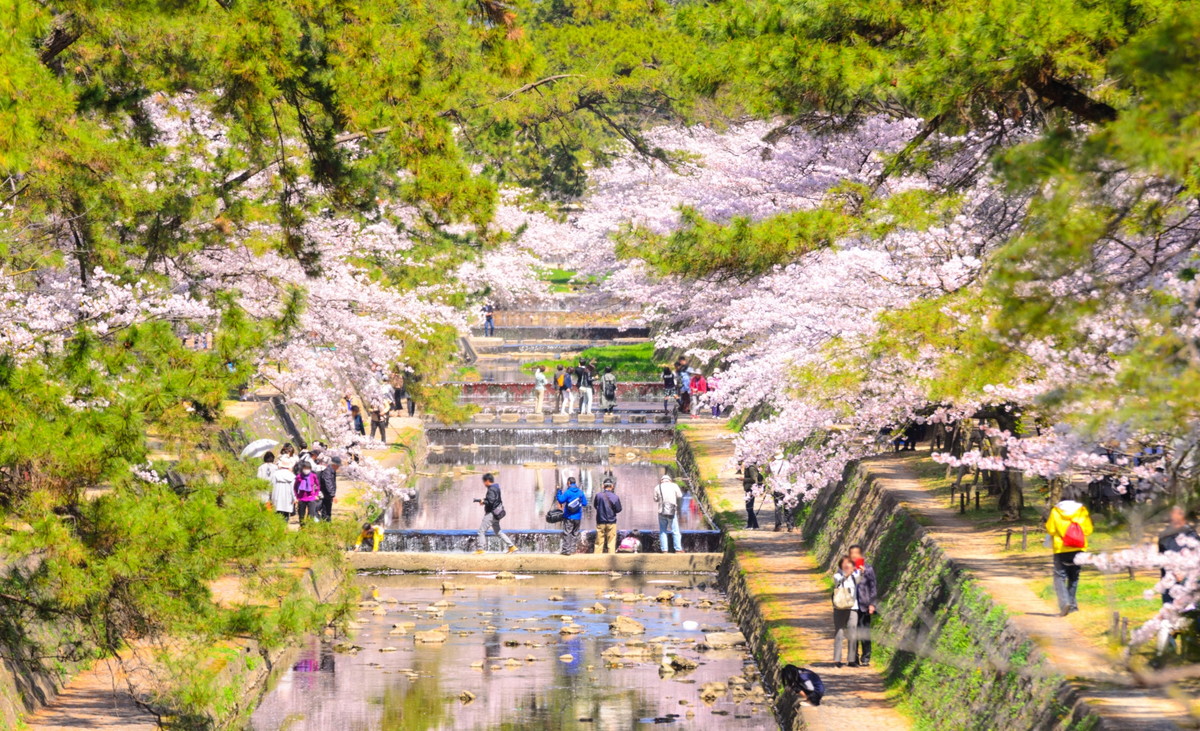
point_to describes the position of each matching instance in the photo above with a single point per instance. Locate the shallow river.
(505, 647)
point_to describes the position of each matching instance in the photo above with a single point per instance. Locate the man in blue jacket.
(573, 501)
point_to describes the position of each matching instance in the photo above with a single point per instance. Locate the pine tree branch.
(1061, 94)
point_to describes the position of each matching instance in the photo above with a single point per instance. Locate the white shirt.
(266, 470)
(850, 581)
(668, 492)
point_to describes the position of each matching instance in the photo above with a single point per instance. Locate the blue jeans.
(669, 524)
(489, 327)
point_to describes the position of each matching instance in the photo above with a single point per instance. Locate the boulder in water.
(433, 636)
(466, 697)
(505, 576)
(664, 596)
(566, 658)
(722, 640)
(623, 625)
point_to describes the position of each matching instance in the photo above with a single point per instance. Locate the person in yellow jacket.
(370, 537)
(1068, 543)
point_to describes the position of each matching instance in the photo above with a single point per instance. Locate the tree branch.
(65, 31)
(1061, 94)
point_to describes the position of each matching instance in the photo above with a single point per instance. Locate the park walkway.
(1006, 578)
(793, 595)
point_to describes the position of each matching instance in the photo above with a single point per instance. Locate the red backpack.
(1074, 537)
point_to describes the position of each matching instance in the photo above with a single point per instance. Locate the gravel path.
(1006, 577)
(792, 594)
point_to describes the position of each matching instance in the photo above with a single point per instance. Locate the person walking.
(583, 378)
(1169, 541)
(608, 390)
(699, 389)
(668, 497)
(845, 608)
(539, 389)
(379, 419)
(287, 456)
(493, 512)
(1068, 527)
(785, 510)
(356, 421)
(267, 468)
(865, 588)
(283, 494)
(607, 507)
(307, 491)
(713, 382)
(489, 322)
(566, 391)
(670, 393)
(683, 378)
(572, 500)
(752, 481)
(328, 481)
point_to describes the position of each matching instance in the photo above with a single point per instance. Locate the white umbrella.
(258, 447)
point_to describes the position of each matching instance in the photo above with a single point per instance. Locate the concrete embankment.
(946, 655)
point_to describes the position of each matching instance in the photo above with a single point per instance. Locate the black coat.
(866, 588)
(607, 506)
(492, 499)
(328, 481)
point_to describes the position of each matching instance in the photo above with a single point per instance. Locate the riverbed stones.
(664, 596)
(724, 640)
(596, 608)
(710, 692)
(450, 586)
(432, 636)
(505, 576)
(566, 658)
(571, 629)
(466, 697)
(623, 625)
(554, 598)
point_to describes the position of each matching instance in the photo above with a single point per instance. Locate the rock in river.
(625, 626)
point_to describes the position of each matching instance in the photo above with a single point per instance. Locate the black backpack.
(610, 390)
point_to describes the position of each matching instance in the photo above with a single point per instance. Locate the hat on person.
(665, 478)
(336, 460)
(608, 482)
(778, 455)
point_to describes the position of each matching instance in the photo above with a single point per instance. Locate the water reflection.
(502, 626)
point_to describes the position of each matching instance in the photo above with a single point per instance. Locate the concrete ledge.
(537, 563)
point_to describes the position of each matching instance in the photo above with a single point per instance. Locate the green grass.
(563, 280)
(1109, 534)
(628, 361)
(1100, 595)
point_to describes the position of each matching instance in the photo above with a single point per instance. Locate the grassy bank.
(633, 362)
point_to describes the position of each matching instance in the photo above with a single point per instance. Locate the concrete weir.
(538, 563)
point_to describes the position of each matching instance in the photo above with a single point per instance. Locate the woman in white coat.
(282, 497)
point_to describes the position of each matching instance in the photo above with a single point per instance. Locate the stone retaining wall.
(941, 639)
